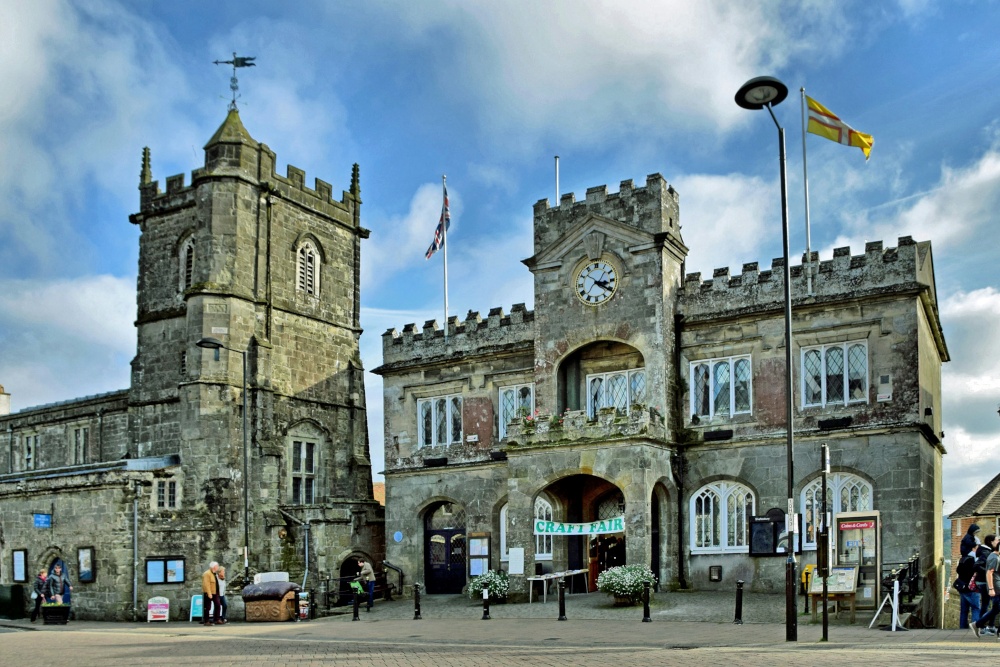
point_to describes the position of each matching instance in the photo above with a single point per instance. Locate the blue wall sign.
(43, 520)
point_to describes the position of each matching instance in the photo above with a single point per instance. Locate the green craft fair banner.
(614, 525)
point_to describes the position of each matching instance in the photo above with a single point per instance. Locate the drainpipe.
(677, 461)
(305, 534)
(135, 551)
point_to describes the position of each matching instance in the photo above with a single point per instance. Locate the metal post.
(246, 473)
(739, 603)
(416, 603)
(824, 557)
(562, 599)
(645, 603)
(357, 605)
(486, 603)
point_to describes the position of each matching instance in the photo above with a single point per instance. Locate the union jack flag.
(443, 224)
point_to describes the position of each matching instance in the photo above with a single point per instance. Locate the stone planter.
(55, 614)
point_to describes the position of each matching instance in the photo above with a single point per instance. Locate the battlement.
(654, 208)
(232, 152)
(468, 335)
(877, 270)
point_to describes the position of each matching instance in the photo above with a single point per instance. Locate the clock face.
(596, 282)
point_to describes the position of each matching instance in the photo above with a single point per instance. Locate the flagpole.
(444, 243)
(805, 183)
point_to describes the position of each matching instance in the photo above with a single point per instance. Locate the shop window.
(835, 374)
(515, 401)
(719, 518)
(845, 492)
(439, 421)
(621, 390)
(721, 387)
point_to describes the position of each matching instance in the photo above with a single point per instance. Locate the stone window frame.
(544, 511)
(861, 498)
(519, 407)
(186, 257)
(731, 363)
(450, 418)
(163, 489)
(81, 445)
(29, 452)
(631, 399)
(729, 522)
(307, 261)
(303, 469)
(846, 349)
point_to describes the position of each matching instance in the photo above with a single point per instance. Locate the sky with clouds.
(488, 93)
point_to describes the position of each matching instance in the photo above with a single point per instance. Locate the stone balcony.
(574, 426)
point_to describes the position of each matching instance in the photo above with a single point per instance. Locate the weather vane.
(234, 84)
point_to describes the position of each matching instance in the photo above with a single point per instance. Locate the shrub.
(496, 582)
(625, 581)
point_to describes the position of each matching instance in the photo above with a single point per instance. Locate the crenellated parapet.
(653, 208)
(498, 331)
(878, 270)
(233, 153)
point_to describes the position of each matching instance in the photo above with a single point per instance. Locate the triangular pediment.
(590, 236)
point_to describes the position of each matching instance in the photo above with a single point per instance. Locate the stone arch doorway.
(444, 548)
(581, 499)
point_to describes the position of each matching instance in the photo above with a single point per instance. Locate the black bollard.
(562, 599)
(357, 605)
(739, 603)
(486, 603)
(416, 603)
(645, 603)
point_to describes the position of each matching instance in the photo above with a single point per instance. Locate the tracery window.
(186, 267)
(619, 389)
(845, 492)
(515, 401)
(719, 514)
(308, 269)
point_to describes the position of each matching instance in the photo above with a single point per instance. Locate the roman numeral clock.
(596, 282)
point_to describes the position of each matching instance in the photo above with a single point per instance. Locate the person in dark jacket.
(971, 600)
(969, 541)
(58, 584)
(39, 592)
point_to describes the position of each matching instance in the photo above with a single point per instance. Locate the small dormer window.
(308, 270)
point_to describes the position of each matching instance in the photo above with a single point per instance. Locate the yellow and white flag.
(823, 122)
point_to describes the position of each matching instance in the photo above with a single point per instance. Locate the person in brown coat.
(210, 591)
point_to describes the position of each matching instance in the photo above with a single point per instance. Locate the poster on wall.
(20, 557)
(85, 564)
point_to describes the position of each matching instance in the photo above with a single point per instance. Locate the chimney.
(4, 402)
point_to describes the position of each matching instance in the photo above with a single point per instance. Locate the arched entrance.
(444, 548)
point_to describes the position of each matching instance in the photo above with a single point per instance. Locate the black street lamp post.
(764, 92)
(215, 344)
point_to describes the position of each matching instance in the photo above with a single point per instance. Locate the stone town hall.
(635, 390)
(269, 267)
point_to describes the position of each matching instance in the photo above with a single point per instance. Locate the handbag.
(960, 586)
(34, 595)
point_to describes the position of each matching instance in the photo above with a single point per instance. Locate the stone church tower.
(247, 279)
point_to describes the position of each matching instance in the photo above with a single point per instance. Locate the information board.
(841, 580)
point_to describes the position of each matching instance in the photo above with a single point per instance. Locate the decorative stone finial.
(355, 181)
(146, 175)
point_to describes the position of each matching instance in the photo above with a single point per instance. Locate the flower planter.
(55, 614)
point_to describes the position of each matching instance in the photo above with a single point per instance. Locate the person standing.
(969, 540)
(39, 592)
(367, 578)
(222, 593)
(210, 593)
(982, 554)
(993, 587)
(968, 548)
(58, 584)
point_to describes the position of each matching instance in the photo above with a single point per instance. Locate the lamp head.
(210, 343)
(760, 92)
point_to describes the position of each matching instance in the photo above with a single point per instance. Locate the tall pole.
(791, 618)
(824, 544)
(246, 472)
(444, 246)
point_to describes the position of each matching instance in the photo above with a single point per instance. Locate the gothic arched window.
(308, 269)
(719, 517)
(186, 265)
(845, 492)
